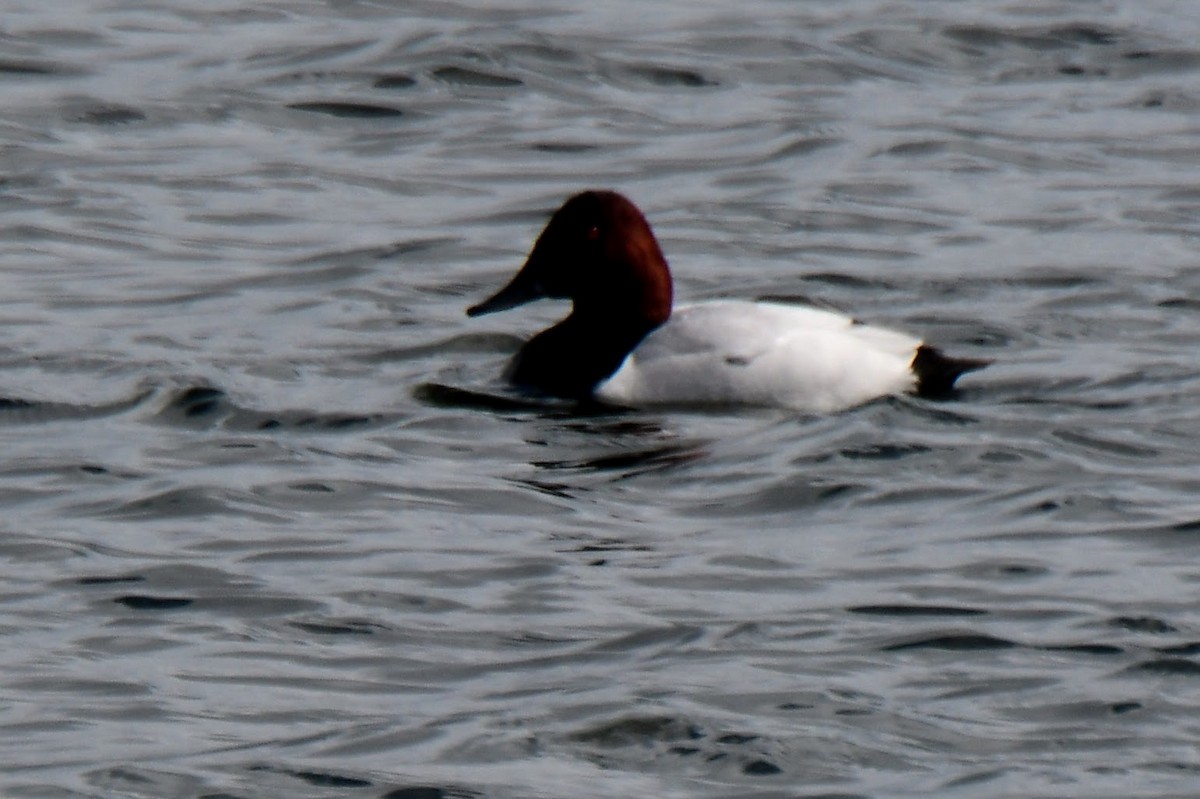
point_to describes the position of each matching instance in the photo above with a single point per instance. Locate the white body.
(769, 354)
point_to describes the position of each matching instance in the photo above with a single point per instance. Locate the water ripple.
(275, 527)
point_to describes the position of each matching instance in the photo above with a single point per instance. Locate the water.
(264, 535)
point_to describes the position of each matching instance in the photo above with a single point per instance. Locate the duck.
(625, 344)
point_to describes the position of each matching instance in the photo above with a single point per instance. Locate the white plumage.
(757, 353)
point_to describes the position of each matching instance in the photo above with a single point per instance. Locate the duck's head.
(598, 251)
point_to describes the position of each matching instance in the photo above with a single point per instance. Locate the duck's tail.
(936, 372)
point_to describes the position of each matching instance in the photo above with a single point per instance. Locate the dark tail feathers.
(936, 372)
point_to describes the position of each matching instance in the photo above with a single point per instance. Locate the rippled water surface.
(272, 527)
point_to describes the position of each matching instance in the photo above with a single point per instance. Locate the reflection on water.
(273, 526)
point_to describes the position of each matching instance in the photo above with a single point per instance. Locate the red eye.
(593, 233)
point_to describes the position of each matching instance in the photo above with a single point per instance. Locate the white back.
(769, 354)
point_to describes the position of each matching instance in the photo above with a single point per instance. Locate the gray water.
(272, 526)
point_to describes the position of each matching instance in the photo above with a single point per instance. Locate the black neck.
(573, 357)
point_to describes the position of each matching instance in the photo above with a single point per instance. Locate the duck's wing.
(744, 330)
(768, 354)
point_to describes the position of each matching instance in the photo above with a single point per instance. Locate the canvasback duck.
(622, 344)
